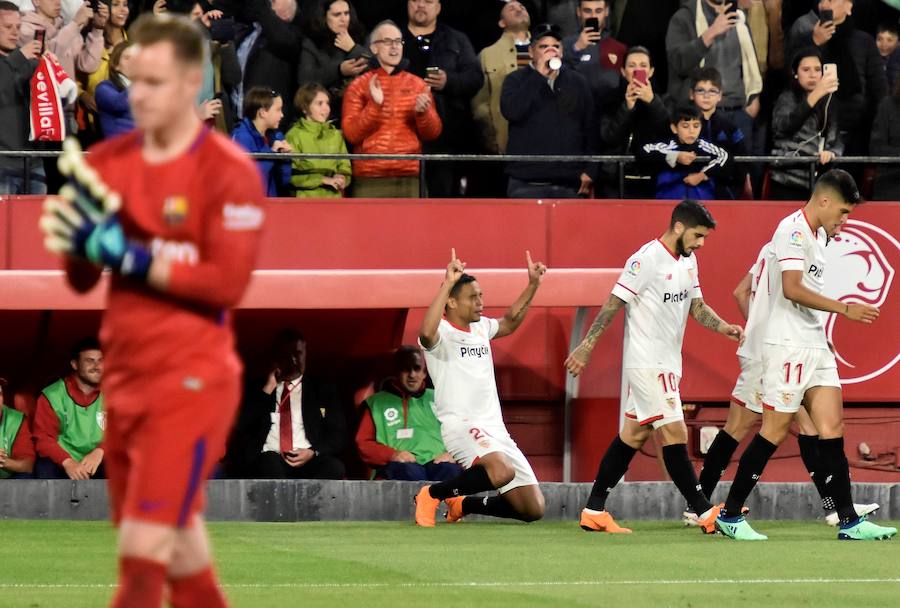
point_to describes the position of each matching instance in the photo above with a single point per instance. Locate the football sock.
(200, 589)
(717, 458)
(495, 506)
(473, 480)
(837, 480)
(752, 463)
(680, 469)
(809, 453)
(612, 468)
(141, 583)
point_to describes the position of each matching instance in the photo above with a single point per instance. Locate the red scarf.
(48, 123)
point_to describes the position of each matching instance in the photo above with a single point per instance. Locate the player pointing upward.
(181, 249)
(658, 289)
(458, 353)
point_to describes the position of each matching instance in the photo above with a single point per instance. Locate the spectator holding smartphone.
(804, 123)
(594, 53)
(859, 68)
(258, 132)
(17, 65)
(313, 133)
(334, 53)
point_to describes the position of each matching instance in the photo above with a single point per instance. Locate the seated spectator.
(887, 40)
(315, 134)
(594, 53)
(258, 132)
(388, 111)
(268, 49)
(399, 436)
(550, 111)
(680, 174)
(886, 142)
(291, 426)
(333, 53)
(70, 419)
(860, 69)
(445, 58)
(804, 123)
(16, 447)
(638, 116)
(113, 110)
(498, 61)
(706, 93)
(17, 66)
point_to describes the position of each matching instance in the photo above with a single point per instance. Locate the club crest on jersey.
(796, 239)
(635, 267)
(175, 210)
(391, 414)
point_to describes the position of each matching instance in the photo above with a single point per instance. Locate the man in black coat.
(445, 58)
(290, 428)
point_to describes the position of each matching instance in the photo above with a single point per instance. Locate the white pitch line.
(476, 584)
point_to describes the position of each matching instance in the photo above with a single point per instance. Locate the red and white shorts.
(748, 390)
(790, 371)
(653, 397)
(468, 442)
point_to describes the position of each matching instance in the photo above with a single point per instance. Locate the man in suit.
(292, 427)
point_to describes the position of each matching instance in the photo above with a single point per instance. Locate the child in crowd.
(706, 94)
(315, 134)
(680, 175)
(887, 41)
(257, 132)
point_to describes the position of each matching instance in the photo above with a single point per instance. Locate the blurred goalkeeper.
(173, 210)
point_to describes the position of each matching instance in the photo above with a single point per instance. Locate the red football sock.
(200, 589)
(141, 583)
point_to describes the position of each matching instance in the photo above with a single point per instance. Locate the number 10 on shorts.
(669, 382)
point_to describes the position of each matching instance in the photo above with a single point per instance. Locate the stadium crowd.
(683, 85)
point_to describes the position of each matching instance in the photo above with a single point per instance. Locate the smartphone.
(592, 23)
(41, 36)
(640, 75)
(826, 15)
(432, 70)
(829, 68)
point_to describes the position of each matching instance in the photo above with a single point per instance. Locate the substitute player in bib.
(173, 210)
(752, 295)
(658, 289)
(798, 366)
(458, 354)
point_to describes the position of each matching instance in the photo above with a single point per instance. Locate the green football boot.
(737, 528)
(863, 529)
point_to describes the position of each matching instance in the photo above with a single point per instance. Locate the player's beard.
(680, 249)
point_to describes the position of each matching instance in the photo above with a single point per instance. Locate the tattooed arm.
(516, 313)
(580, 357)
(707, 317)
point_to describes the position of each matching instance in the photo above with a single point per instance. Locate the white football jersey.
(758, 312)
(658, 287)
(462, 369)
(796, 247)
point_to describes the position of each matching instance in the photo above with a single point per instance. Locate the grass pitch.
(370, 565)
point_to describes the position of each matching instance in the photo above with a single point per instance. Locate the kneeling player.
(798, 366)
(658, 289)
(458, 353)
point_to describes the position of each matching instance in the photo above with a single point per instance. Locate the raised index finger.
(452, 254)
(528, 258)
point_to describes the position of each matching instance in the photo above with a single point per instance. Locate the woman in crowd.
(334, 53)
(804, 123)
(257, 132)
(114, 32)
(314, 133)
(112, 94)
(886, 142)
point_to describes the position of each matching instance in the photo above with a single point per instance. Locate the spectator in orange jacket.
(388, 111)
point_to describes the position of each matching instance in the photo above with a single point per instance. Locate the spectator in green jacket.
(399, 436)
(313, 133)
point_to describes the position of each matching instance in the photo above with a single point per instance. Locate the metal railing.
(620, 160)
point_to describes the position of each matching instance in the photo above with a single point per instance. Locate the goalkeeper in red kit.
(173, 210)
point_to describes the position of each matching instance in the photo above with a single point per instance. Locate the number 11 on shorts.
(787, 371)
